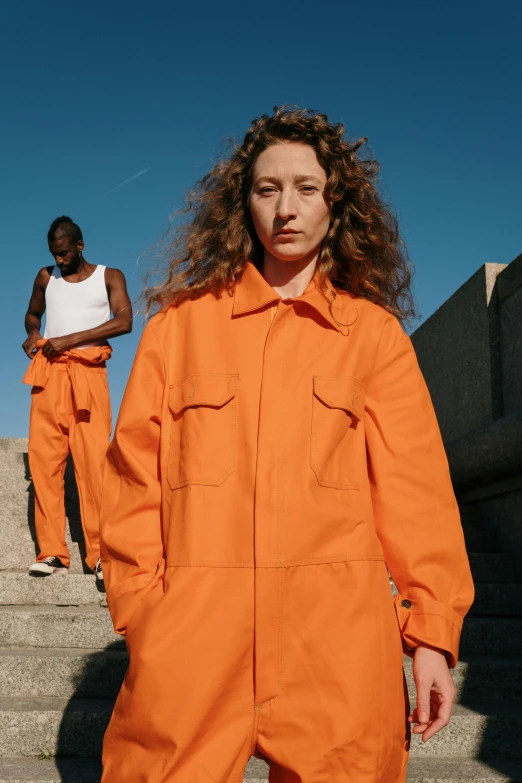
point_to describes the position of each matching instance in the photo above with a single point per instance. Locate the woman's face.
(286, 201)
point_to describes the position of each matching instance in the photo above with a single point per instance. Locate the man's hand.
(435, 692)
(29, 345)
(55, 346)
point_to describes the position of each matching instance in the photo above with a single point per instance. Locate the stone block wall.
(509, 304)
(470, 351)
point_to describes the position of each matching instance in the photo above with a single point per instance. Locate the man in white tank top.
(70, 407)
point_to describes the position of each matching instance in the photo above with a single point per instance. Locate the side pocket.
(148, 591)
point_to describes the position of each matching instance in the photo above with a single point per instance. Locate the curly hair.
(362, 252)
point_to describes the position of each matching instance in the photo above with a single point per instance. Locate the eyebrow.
(299, 178)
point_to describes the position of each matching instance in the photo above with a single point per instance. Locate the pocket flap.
(347, 394)
(211, 389)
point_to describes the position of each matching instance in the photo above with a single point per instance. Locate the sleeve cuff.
(429, 622)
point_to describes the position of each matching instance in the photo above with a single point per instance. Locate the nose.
(286, 209)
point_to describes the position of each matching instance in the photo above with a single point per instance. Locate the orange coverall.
(272, 458)
(70, 411)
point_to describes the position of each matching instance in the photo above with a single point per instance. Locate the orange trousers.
(70, 413)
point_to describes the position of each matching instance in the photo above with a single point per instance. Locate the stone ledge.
(487, 455)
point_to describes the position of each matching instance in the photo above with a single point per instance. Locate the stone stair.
(61, 665)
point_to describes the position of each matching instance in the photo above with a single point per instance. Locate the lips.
(286, 232)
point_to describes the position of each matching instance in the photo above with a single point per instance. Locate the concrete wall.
(458, 356)
(470, 351)
(509, 303)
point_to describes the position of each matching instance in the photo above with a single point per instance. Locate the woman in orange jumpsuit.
(276, 454)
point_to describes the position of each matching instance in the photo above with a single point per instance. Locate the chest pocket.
(202, 429)
(337, 454)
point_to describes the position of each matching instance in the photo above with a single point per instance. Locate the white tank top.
(75, 307)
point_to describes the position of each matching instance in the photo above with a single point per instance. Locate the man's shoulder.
(44, 275)
(112, 273)
(114, 279)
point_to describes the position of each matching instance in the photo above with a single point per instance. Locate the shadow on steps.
(492, 689)
(87, 714)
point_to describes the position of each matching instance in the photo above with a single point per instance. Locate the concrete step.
(17, 535)
(491, 567)
(97, 674)
(497, 600)
(479, 731)
(479, 678)
(64, 673)
(463, 770)
(45, 726)
(17, 587)
(10, 445)
(56, 626)
(491, 636)
(427, 770)
(58, 770)
(48, 727)
(85, 770)
(480, 539)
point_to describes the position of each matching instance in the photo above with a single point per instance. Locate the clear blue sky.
(96, 92)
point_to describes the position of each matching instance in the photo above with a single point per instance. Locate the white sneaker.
(98, 573)
(48, 566)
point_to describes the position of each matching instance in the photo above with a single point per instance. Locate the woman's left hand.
(435, 692)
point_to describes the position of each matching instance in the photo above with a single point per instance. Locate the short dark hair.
(64, 226)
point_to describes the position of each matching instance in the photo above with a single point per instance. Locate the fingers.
(423, 711)
(29, 350)
(417, 726)
(438, 717)
(424, 700)
(442, 719)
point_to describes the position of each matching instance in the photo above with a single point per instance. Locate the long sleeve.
(416, 514)
(130, 523)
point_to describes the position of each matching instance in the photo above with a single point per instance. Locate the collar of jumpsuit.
(253, 292)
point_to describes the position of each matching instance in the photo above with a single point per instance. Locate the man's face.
(67, 254)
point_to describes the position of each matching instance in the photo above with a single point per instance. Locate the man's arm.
(35, 311)
(120, 323)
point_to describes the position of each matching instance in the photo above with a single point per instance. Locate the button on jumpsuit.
(272, 459)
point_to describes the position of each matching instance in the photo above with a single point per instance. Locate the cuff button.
(406, 604)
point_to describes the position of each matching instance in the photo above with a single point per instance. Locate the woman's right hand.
(435, 691)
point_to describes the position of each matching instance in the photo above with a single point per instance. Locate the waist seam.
(273, 563)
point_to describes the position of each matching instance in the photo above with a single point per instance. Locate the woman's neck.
(289, 279)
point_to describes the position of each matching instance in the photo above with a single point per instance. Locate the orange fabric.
(70, 411)
(76, 360)
(264, 474)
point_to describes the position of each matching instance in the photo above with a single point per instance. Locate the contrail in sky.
(126, 182)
